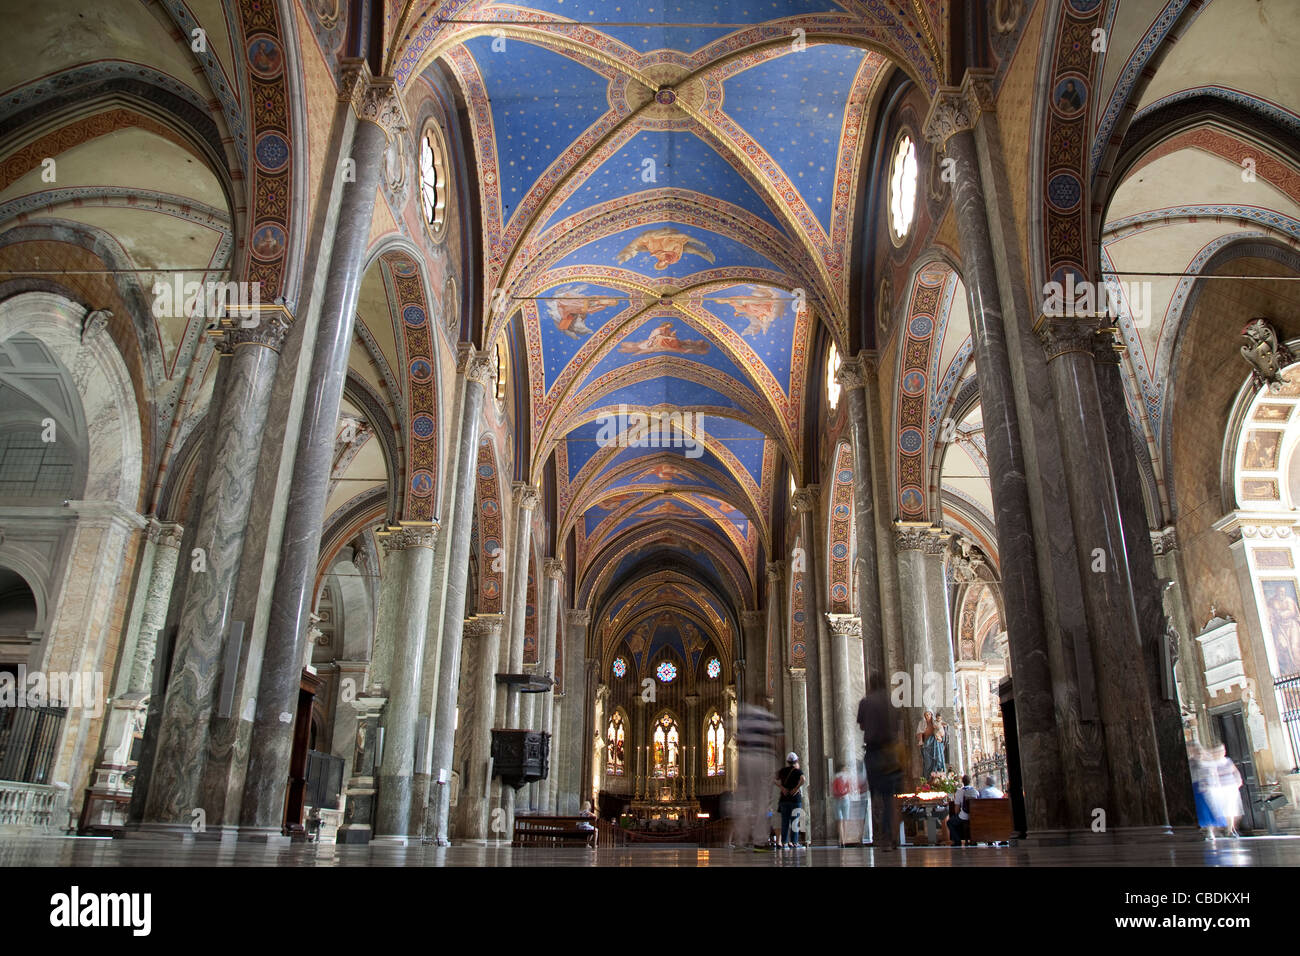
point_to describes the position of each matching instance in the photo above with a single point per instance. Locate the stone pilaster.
(251, 355)
(477, 371)
(953, 116)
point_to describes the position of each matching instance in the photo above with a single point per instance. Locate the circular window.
(666, 671)
(433, 180)
(902, 189)
(620, 667)
(714, 668)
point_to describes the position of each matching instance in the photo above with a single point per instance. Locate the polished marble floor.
(96, 852)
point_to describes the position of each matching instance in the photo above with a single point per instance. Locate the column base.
(267, 835)
(355, 835)
(178, 833)
(391, 840)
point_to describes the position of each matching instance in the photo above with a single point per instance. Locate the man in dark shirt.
(881, 733)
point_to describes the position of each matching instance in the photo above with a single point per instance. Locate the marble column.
(483, 635)
(477, 370)
(1190, 677)
(927, 628)
(525, 498)
(775, 633)
(575, 706)
(589, 722)
(949, 125)
(1136, 800)
(800, 712)
(378, 112)
(251, 356)
(813, 756)
(883, 532)
(410, 547)
(845, 633)
(167, 544)
(853, 381)
(752, 683)
(360, 793)
(553, 569)
(1148, 592)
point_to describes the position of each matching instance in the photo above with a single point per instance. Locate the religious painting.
(570, 305)
(614, 740)
(1262, 449)
(664, 339)
(716, 745)
(1272, 558)
(1259, 489)
(1268, 412)
(667, 748)
(1282, 611)
(667, 245)
(268, 242)
(762, 305)
(664, 472)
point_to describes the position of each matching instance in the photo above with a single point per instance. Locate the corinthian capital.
(266, 329)
(483, 625)
(776, 570)
(525, 495)
(577, 618)
(408, 536)
(920, 537)
(848, 625)
(957, 109)
(1060, 336)
(553, 568)
(374, 99)
(804, 499)
(850, 374)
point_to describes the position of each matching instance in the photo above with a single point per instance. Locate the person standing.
(990, 790)
(961, 803)
(883, 754)
(790, 779)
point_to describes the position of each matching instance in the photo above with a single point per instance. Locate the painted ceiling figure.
(762, 306)
(667, 245)
(664, 472)
(664, 339)
(570, 306)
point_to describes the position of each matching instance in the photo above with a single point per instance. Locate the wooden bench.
(555, 831)
(990, 820)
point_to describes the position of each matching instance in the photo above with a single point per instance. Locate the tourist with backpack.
(961, 803)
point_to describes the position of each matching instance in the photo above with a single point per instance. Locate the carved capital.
(846, 625)
(525, 495)
(267, 330)
(408, 536)
(374, 99)
(553, 568)
(957, 109)
(1061, 336)
(577, 618)
(164, 534)
(1164, 541)
(481, 369)
(776, 571)
(752, 619)
(1266, 354)
(851, 374)
(804, 499)
(484, 625)
(920, 537)
(798, 673)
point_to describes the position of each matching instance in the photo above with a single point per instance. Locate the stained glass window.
(715, 738)
(714, 668)
(433, 180)
(620, 667)
(614, 745)
(667, 748)
(666, 671)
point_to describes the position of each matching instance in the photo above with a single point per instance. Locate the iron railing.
(1288, 695)
(29, 741)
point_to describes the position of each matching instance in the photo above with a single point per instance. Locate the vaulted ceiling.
(667, 196)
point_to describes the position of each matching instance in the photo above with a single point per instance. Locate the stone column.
(483, 634)
(1136, 792)
(252, 355)
(800, 712)
(167, 544)
(1190, 677)
(525, 498)
(378, 112)
(477, 369)
(845, 632)
(927, 627)
(410, 547)
(775, 633)
(553, 569)
(1148, 593)
(949, 125)
(576, 708)
(754, 683)
(589, 723)
(813, 760)
(853, 381)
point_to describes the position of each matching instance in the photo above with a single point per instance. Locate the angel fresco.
(570, 306)
(664, 339)
(667, 245)
(762, 306)
(664, 472)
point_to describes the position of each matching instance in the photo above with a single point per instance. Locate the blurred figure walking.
(757, 731)
(882, 736)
